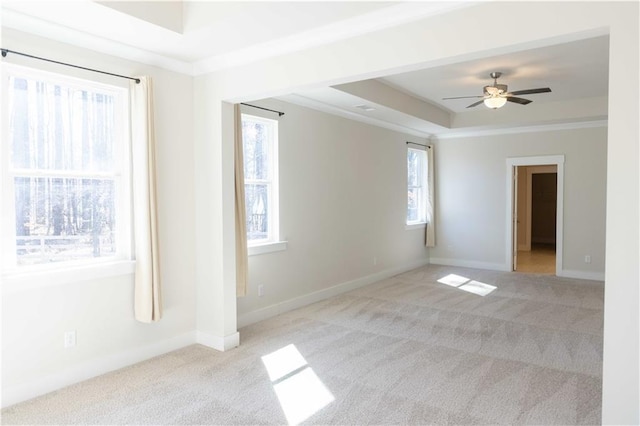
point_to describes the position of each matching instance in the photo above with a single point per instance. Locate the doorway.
(535, 212)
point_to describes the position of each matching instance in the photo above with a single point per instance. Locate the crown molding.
(35, 26)
(330, 109)
(465, 133)
(450, 134)
(366, 23)
(386, 17)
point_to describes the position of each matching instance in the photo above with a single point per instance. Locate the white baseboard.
(298, 302)
(217, 342)
(582, 275)
(92, 368)
(468, 264)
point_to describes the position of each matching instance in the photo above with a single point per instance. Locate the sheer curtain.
(430, 232)
(242, 261)
(148, 295)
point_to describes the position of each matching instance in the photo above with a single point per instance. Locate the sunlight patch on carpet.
(299, 389)
(476, 287)
(283, 361)
(453, 280)
(467, 284)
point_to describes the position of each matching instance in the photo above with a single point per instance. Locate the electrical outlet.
(261, 290)
(587, 259)
(69, 339)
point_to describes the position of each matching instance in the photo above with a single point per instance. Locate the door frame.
(546, 160)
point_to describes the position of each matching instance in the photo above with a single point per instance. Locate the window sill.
(18, 281)
(267, 248)
(415, 226)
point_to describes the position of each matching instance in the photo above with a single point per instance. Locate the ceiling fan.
(496, 96)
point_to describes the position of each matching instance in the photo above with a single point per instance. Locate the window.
(65, 170)
(260, 149)
(417, 191)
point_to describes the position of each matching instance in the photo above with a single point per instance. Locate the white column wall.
(214, 218)
(621, 398)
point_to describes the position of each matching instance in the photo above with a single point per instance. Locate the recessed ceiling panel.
(572, 70)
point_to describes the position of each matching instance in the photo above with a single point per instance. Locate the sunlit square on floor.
(283, 361)
(300, 391)
(476, 287)
(302, 395)
(453, 280)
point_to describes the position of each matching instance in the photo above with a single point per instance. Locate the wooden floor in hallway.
(540, 260)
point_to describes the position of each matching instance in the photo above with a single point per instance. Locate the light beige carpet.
(405, 350)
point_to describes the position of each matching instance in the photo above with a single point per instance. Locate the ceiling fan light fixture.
(496, 95)
(495, 102)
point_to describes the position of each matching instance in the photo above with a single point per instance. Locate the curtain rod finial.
(4, 53)
(137, 81)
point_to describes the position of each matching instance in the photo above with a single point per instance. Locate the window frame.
(121, 175)
(273, 188)
(423, 188)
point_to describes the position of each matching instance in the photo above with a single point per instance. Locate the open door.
(518, 209)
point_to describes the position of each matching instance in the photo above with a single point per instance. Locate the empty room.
(320, 212)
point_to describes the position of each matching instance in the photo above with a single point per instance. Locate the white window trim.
(259, 249)
(69, 274)
(272, 242)
(412, 226)
(420, 223)
(41, 275)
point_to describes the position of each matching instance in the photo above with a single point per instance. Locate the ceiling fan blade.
(531, 91)
(475, 104)
(520, 101)
(462, 97)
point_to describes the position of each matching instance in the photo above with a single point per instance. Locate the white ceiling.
(576, 72)
(579, 69)
(194, 37)
(210, 34)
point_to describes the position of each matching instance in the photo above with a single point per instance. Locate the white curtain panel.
(242, 261)
(148, 295)
(430, 232)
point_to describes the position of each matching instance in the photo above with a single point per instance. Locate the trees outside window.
(260, 153)
(416, 186)
(65, 169)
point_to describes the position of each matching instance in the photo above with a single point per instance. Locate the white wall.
(101, 310)
(448, 38)
(471, 197)
(343, 202)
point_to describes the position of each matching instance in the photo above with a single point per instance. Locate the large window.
(417, 189)
(65, 161)
(260, 149)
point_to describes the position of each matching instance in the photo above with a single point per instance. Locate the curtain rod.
(280, 113)
(419, 144)
(5, 51)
